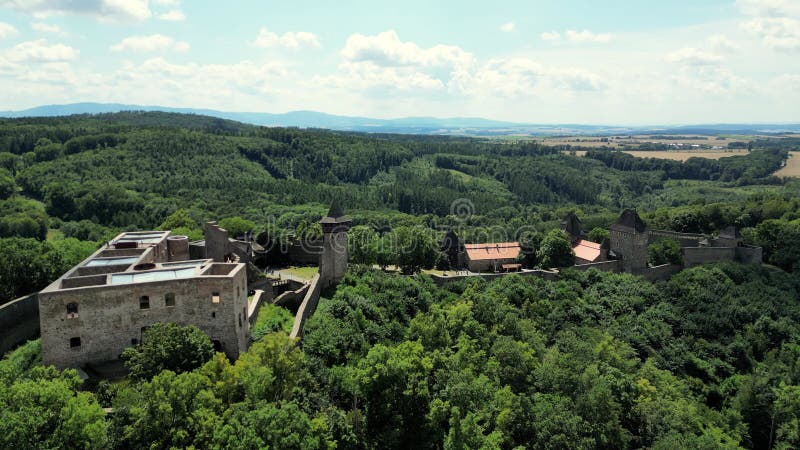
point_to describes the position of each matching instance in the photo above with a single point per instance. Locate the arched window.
(72, 310)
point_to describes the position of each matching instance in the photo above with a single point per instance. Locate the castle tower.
(333, 261)
(572, 226)
(628, 241)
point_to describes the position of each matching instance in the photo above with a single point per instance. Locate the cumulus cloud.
(779, 33)
(721, 43)
(115, 10)
(386, 49)
(775, 22)
(551, 36)
(151, 43)
(515, 77)
(175, 15)
(508, 27)
(6, 30)
(40, 51)
(693, 57)
(290, 39)
(45, 27)
(587, 36)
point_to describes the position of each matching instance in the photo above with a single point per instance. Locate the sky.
(609, 62)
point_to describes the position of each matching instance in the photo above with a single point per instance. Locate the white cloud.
(508, 27)
(779, 33)
(114, 10)
(175, 15)
(721, 43)
(386, 49)
(551, 36)
(167, 2)
(775, 22)
(769, 8)
(40, 51)
(587, 36)
(290, 39)
(45, 28)
(693, 57)
(151, 43)
(6, 30)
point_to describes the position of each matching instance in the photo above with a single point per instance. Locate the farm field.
(683, 155)
(792, 167)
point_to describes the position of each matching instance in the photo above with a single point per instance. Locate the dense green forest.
(708, 359)
(88, 177)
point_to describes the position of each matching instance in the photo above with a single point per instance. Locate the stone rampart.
(307, 307)
(19, 322)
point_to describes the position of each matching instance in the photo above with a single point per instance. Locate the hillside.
(707, 359)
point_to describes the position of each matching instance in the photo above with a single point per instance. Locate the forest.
(708, 359)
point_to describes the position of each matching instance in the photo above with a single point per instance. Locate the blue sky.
(609, 62)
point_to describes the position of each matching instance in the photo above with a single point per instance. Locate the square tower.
(335, 255)
(628, 240)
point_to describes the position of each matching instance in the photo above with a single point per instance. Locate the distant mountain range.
(410, 125)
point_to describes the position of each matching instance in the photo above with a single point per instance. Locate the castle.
(104, 305)
(625, 250)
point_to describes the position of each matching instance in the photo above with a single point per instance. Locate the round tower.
(178, 248)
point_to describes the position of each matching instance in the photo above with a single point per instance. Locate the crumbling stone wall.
(109, 318)
(19, 322)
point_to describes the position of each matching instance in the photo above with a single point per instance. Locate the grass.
(271, 318)
(792, 167)
(306, 273)
(679, 155)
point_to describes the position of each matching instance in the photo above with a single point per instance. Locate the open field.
(792, 167)
(305, 273)
(687, 141)
(681, 155)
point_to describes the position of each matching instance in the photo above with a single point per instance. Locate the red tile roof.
(500, 250)
(587, 250)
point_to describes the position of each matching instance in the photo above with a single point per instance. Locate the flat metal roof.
(156, 275)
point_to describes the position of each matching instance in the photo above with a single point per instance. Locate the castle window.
(215, 297)
(72, 310)
(74, 342)
(143, 330)
(217, 345)
(240, 320)
(213, 315)
(134, 341)
(169, 299)
(144, 302)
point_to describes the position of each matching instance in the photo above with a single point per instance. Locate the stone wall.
(109, 318)
(749, 255)
(292, 300)
(662, 272)
(546, 274)
(685, 239)
(19, 322)
(217, 244)
(693, 256)
(307, 307)
(307, 252)
(605, 266)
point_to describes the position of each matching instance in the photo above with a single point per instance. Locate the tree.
(362, 241)
(179, 219)
(556, 250)
(236, 226)
(598, 234)
(168, 346)
(665, 251)
(415, 249)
